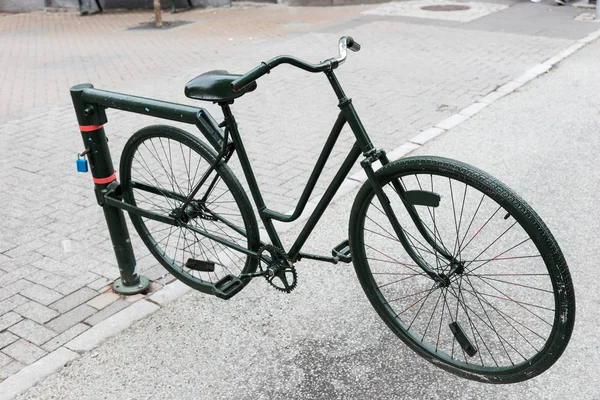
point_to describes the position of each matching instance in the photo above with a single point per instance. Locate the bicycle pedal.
(227, 287)
(462, 339)
(200, 265)
(422, 198)
(342, 251)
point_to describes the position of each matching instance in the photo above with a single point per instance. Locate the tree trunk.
(157, 14)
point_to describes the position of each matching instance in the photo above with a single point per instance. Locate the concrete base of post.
(141, 287)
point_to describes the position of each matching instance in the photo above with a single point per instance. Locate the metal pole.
(91, 118)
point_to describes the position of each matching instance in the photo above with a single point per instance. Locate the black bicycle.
(457, 265)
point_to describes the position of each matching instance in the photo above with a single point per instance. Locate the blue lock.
(82, 165)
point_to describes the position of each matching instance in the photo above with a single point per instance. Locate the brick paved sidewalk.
(56, 260)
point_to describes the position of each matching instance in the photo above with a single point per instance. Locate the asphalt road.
(324, 341)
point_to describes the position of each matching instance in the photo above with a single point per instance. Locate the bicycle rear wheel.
(160, 166)
(507, 314)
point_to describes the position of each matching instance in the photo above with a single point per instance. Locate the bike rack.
(91, 119)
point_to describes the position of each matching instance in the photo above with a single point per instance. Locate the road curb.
(36, 372)
(111, 326)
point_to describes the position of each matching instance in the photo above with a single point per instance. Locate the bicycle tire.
(518, 319)
(170, 162)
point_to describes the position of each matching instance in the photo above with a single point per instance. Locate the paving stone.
(14, 288)
(134, 297)
(6, 246)
(6, 263)
(107, 312)
(67, 320)
(10, 369)
(41, 294)
(77, 282)
(32, 332)
(50, 265)
(9, 319)
(99, 284)
(11, 303)
(24, 248)
(17, 274)
(105, 289)
(4, 359)
(64, 337)
(103, 300)
(48, 279)
(36, 312)
(109, 271)
(154, 287)
(155, 272)
(73, 300)
(24, 352)
(7, 338)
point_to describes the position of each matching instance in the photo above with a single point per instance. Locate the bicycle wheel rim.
(556, 332)
(172, 162)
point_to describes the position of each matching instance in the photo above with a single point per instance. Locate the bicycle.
(456, 264)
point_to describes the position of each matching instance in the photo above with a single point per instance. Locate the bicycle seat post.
(91, 118)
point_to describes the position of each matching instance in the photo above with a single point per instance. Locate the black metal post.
(91, 118)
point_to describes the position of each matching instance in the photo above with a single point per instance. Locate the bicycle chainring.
(281, 273)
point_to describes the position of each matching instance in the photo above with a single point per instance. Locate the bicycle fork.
(371, 155)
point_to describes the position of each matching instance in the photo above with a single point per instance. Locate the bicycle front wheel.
(160, 167)
(506, 311)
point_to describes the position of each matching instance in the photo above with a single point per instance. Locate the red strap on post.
(104, 181)
(89, 128)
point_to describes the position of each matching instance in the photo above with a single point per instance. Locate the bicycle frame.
(90, 105)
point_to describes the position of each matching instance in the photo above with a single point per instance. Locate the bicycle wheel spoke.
(409, 236)
(393, 259)
(513, 283)
(491, 323)
(474, 332)
(398, 281)
(431, 317)
(496, 258)
(407, 296)
(479, 230)
(495, 240)
(394, 262)
(433, 233)
(493, 258)
(422, 305)
(504, 341)
(504, 316)
(460, 246)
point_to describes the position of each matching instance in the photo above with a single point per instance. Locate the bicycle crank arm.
(253, 275)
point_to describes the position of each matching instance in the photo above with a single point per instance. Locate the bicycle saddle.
(215, 86)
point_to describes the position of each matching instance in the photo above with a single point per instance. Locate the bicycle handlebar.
(345, 42)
